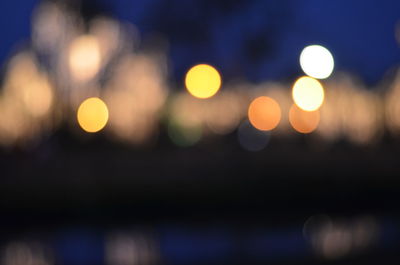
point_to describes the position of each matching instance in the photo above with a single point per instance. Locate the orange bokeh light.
(303, 121)
(264, 113)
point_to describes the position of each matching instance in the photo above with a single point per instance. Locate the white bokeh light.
(317, 61)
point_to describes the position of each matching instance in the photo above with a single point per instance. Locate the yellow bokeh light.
(308, 93)
(92, 115)
(84, 57)
(264, 113)
(203, 81)
(303, 121)
(317, 61)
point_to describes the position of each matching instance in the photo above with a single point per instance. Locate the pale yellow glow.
(15, 125)
(26, 102)
(135, 95)
(203, 81)
(92, 115)
(223, 112)
(362, 120)
(317, 61)
(38, 97)
(84, 57)
(22, 69)
(264, 113)
(308, 93)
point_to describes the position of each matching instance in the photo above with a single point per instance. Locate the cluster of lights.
(337, 238)
(264, 113)
(204, 81)
(128, 101)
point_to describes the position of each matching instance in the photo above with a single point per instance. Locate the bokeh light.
(26, 253)
(15, 126)
(203, 81)
(362, 124)
(282, 96)
(252, 139)
(317, 61)
(92, 115)
(264, 113)
(392, 106)
(186, 120)
(84, 57)
(38, 97)
(187, 110)
(224, 112)
(303, 121)
(125, 247)
(308, 93)
(109, 36)
(72, 58)
(27, 101)
(48, 27)
(135, 94)
(330, 126)
(184, 135)
(335, 238)
(25, 82)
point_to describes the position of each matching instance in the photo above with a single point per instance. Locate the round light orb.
(264, 113)
(184, 136)
(252, 139)
(317, 61)
(92, 115)
(303, 121)
(84, 57)
(38, 97)
(203, 81)
(308, 93)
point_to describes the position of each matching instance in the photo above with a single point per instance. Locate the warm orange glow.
(15, 125)
(303, 121)
(92, 115)
(203, 81)
(308, 93)
(392, 105)
(264, 113)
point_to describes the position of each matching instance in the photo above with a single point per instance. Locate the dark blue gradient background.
(254, 40)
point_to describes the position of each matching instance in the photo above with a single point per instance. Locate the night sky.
(252, 40)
